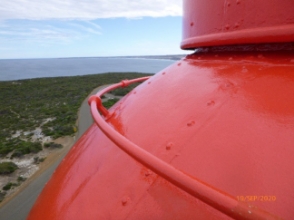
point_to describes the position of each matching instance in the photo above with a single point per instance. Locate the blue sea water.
(38, 68)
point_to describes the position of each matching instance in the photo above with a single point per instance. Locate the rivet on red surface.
(211, 103)
(192, 24)
(148, 173)
(163, 73)
(292, 61)
(238, 2)
(244, 70)
(169, 146)
(149, 82)
(179, 64)
(125, 201)
(190, 123)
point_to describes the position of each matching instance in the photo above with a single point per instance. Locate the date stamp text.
(256, 198)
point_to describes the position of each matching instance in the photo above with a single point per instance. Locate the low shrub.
(38, 160)
(26, 147)
(21, 179)
(7, 167)
(52, 145)
(9, 185)
(110, 102)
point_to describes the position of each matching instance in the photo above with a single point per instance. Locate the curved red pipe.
(219, 200)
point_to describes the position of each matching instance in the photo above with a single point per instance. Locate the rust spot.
(192, 24)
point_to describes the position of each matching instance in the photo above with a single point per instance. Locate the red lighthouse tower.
(210, 137)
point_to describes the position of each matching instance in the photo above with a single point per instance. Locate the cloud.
(87, 9)
(46, 32)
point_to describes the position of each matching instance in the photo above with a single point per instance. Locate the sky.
(89, 28)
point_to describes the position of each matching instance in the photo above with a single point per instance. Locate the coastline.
(18, 69)
(34, 185)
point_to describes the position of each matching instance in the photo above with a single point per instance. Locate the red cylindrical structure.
(229, 22)
(210, 137)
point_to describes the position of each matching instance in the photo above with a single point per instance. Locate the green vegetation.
(9, 185)
(110, 102)
(19, 146)
(7, 167)
(21, 179)
(124, 91)
(49, 103)
(38, 160)
(52, 145)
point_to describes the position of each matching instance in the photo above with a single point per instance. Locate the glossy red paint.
(227, 22)
(223, 119)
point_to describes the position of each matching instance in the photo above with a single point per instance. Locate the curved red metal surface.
(222, 119)
(228, 22)
(208, 194)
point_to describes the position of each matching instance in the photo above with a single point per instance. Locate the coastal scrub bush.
(21, 179)
(38, 160)
(4, 150)
(26, 147)
(110, 102)
(52, 145)
(124, 91)
(9, 185)
(7, 167)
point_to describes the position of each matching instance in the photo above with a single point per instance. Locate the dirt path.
(18, 205)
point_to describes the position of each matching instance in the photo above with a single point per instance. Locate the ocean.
(37, 68)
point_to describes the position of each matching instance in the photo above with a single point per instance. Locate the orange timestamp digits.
(255, 198)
